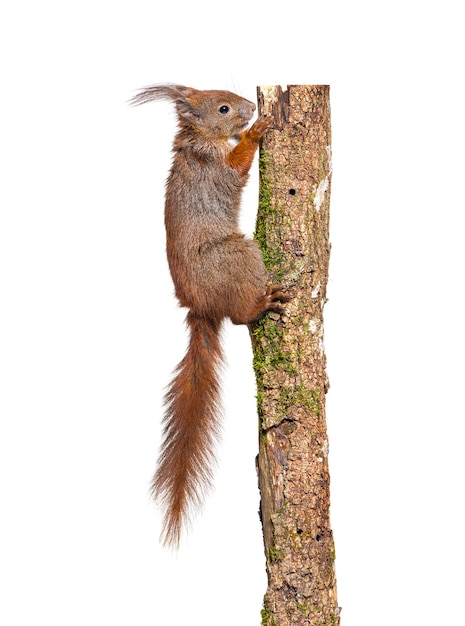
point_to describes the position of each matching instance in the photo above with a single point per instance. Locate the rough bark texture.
(289, 359)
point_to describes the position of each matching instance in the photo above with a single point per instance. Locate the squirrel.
(217, 273)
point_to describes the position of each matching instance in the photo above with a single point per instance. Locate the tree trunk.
(289, 359)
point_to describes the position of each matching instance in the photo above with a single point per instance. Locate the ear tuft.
(174, 93)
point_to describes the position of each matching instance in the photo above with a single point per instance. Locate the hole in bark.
(318, 537)
(299, 531)
(292, 192)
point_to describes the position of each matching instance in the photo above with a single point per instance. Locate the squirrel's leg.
(269, 301)
(241, 157)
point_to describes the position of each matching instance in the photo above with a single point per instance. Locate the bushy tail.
(191, 428)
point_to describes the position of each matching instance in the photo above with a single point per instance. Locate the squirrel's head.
(218, 114)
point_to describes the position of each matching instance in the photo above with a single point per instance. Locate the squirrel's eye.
(223, 109)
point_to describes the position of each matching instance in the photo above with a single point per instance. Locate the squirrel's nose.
(247, 110)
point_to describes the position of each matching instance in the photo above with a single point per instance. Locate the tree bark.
(289, 359)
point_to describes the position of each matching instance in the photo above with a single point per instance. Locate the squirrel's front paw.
(259, 128)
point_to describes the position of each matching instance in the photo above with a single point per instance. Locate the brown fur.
(217, 273)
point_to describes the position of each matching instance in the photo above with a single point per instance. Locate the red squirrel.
(217, 272)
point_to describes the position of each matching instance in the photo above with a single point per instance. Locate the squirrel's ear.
(188, 110)
(175, 93)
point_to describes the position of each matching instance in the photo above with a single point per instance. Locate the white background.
(90, 330)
